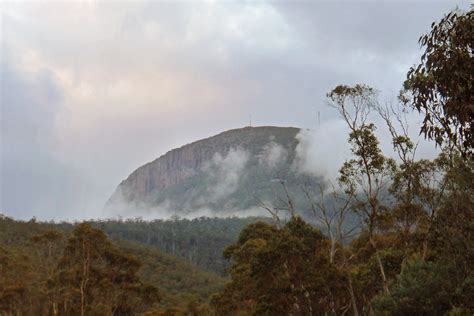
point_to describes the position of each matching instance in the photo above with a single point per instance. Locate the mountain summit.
(228, 174)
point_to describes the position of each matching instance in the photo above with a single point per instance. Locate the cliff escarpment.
(230, 172)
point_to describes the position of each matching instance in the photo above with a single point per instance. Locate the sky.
(92, 90)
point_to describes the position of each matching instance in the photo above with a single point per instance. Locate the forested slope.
(199, 241)
(32, 256)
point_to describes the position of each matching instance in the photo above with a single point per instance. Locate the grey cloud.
(32, 181)
(121, 83)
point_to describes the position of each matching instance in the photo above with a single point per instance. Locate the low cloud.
(321, 152)
(224, 172)
(272, 154)
(165, 210)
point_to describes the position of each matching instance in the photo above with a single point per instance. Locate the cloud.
(33, 180)
(322, 151)
(224, 173)
(164, 212)
(121, 83)
(272, 154)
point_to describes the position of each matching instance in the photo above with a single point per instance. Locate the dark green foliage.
(200, 241)
(178, 280)
(423, 288)
(279, 272)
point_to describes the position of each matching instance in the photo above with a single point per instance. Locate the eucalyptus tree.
(441, 86)
(367, 174)
(95, 277)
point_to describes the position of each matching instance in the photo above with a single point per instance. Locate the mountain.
(229, 173)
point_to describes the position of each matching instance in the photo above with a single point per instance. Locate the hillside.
(229, 173)
(200, 241)
(177, 280)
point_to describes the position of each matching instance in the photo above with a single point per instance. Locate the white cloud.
(272, 154)
(224, 172)
(323, 150)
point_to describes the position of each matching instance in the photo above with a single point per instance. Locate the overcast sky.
(90, 91)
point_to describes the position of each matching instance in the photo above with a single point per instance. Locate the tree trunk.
(379, 262)
(85, 277)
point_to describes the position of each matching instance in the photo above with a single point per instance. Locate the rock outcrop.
(231, 171)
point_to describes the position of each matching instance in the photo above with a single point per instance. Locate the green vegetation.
(200, 241)
(411, 252)
(441, 85)
(42, 269)
(409, 258)
(279, 271)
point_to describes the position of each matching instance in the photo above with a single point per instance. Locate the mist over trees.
(396, 237)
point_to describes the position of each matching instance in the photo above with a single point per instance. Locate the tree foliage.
(200, 241)
(41, 273)
(97, 278)
(283, 271)
(441, 85)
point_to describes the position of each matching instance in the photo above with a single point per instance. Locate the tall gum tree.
(365, 176)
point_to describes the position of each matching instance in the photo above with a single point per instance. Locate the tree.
(442, 85)
(416, 186)
(423, 288)
(14, 272)
(45, 256)
(282, 271)
(366, 175)
(97, 278)
(332, 216)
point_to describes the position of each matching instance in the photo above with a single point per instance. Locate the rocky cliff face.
(230, 171)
